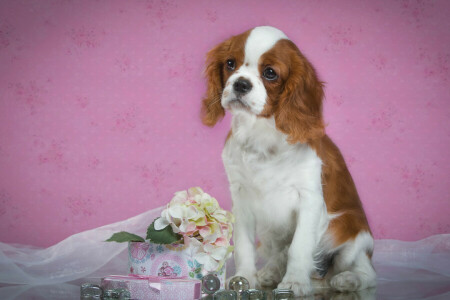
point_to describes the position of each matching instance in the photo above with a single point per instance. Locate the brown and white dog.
(289, 183)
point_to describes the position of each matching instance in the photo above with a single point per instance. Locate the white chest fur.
(271, 175)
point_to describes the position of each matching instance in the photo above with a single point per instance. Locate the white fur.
(277, 195)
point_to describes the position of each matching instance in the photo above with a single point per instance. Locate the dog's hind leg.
(352, 268)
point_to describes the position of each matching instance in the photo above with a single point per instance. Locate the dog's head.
(261, 72)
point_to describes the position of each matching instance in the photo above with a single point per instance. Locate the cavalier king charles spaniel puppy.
(293, 197)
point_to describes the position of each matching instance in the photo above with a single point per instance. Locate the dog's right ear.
(212, 109)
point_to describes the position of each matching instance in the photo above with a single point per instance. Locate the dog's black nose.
(242, 85)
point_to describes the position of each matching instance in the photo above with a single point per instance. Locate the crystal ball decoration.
(91, 291)
(253, 294)
(225, 295)
(119, 294)
(124, 294)
(210, 284)
(282, 294)
(238, 284)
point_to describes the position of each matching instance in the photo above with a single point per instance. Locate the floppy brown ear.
(212, 109)
(299, 110)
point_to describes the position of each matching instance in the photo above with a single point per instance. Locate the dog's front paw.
(268, 276)
(300, 288)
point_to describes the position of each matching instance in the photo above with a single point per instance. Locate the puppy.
(289, 183)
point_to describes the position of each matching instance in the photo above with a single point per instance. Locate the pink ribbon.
(155, 278)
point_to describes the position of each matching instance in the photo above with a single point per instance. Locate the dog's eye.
(231, 64)
(269, 74)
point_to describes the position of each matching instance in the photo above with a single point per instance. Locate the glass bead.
(282, 294)
(210, 284)
(111, 294)
(253, 294)
(124, 294)
(91, 291)
(238, 284)
(225, 295)
(119, 293)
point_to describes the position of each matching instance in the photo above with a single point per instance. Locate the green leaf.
(164, 236)
(123, 236)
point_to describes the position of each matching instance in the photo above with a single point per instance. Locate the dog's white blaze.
(260, 40)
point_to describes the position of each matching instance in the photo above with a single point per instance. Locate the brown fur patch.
(295, 98)
(217, 74)
(340, 193)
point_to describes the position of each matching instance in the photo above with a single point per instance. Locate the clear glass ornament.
(225, 295)
(90, 291)
(119, 293)
(210, 284)
(110, 294)
(282, 294)
(238, 284)
(124, 294)
(253, 294)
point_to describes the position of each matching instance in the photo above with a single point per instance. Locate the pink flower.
(222, 241)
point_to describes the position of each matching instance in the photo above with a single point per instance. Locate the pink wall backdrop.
(100, 100)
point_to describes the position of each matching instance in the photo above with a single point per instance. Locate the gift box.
(154, 287)
(168, 261)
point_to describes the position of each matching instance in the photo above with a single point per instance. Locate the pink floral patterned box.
(168, 261)
(154, 287)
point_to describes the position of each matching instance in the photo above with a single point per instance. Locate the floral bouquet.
(191, 238)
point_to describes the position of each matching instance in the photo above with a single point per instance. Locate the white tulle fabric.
(81, 255)
(86, 255)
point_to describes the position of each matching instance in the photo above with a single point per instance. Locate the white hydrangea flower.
(205, 226)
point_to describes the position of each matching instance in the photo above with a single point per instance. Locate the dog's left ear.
(212, 109)
(299, 109)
